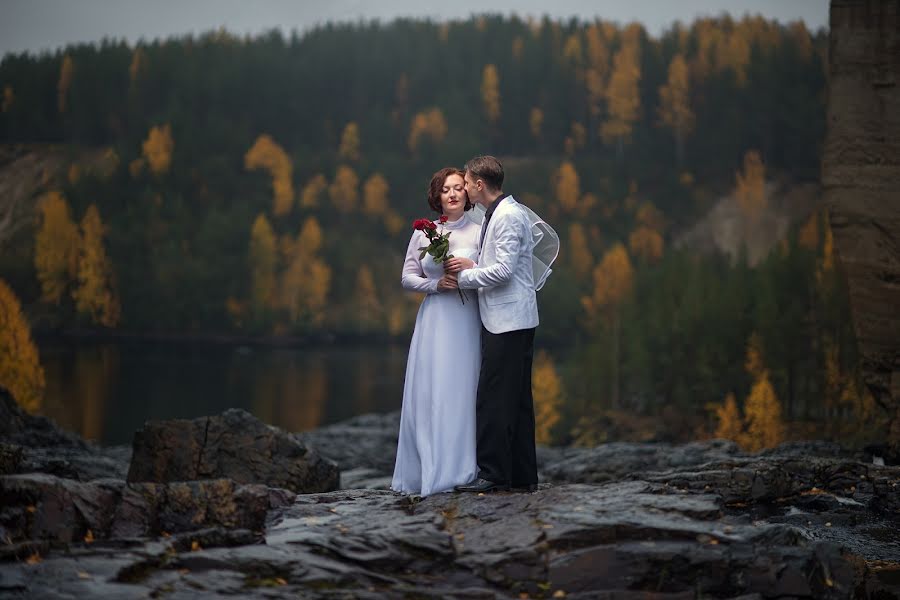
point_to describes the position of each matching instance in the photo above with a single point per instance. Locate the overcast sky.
(35, 25)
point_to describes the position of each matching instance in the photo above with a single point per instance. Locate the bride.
(436, 448)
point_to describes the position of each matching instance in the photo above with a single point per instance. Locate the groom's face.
(474, 188)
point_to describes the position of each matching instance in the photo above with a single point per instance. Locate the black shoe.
(525, 487)
(481, 485)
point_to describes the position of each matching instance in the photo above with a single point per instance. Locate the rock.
(861, 177)
(41, 507)
(33, 444)
(235, 445)
(367, 441)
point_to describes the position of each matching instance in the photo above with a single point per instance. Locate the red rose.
(444, 219)
(430, 224)
(421, 224)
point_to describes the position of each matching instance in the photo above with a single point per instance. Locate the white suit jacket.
(504, 276)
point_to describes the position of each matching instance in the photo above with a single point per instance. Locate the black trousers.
(504, 409)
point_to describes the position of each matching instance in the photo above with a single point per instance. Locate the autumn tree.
(428, 124)
(375, 195)
(313, 190)
(96, 294)
(344, 190)
(730, 424)
(622, 98)
(675, 104)
(20, 369)
(55, 248)
(307, 278)
(368, 307)
(580, 254)
(268, 155)
(263, 260)
(349, 148)
(548, 396)
(762, 414)
(613, 280)
(567, 186)
(66, 72)
(157, 149)
(597, 70)
(750, 187)
(490, 93)
(646, 243)
(137, 66)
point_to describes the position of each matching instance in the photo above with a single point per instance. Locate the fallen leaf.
(89, 537)
(195, 545)
(33, 559)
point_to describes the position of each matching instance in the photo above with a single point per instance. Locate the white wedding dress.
(436, 448)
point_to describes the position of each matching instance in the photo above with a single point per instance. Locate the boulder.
(234, 445)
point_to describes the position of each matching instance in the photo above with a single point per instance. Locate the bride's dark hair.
(437, 183)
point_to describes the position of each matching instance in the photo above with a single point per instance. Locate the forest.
(265, 186)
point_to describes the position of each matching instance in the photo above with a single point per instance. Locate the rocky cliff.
(861, 178)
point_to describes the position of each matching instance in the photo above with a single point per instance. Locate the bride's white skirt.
(436, 449)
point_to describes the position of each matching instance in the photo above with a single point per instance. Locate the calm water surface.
(105, 391)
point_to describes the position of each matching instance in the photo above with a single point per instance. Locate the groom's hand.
(455, 265)
(447, 282)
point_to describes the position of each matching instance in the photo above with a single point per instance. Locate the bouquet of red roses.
(439, 243)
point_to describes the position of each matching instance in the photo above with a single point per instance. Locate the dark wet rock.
(235, 445)
(367, 441)
(34, 444)
(625, 539)
(41, 507)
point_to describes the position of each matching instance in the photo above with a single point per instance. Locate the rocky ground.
(228, 506)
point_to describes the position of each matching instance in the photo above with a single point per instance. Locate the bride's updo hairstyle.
(437, 184)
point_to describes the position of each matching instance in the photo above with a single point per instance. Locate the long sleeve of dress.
(413, 277)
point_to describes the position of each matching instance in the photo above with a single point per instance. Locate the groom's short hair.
(488, 169)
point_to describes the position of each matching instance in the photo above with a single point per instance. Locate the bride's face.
(453, 197)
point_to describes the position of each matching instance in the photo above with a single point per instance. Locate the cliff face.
(861, 178)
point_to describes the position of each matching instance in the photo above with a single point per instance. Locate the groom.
(504, 409)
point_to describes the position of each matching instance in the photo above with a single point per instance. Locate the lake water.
(105, 391)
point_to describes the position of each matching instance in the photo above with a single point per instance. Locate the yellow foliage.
(344, 190)
(8, 98)
(536, 121)
(262, 264)
(375, 195)
(136, 167)
(313, 190)
(762, 414)
(66, 72)
(754, 361)
(56, 247)
(157, 149)
(598, 67)
(96, 294)
(518, 47)
(581, 257)
(490, 92)
(579, 134)
(825, 266)
(650, 216)
(548, 396)
(307, 278)
(74, 174)
(429, 124)
(623, 99)
(731, 425)
(674, 99)
(349, 148)
(20, 369)
(393, 222)
(613, 279)
(310, 239)
(808, 237)
(567, 186)
(267, 154)
(646, 243)
(572, 49)
(750, 186)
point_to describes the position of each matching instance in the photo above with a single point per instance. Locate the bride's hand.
(455, 265)
(447, 283)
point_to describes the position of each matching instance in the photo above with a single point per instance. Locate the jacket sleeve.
(413, 277)
(508, 241)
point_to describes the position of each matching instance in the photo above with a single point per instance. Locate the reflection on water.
(105, 391)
